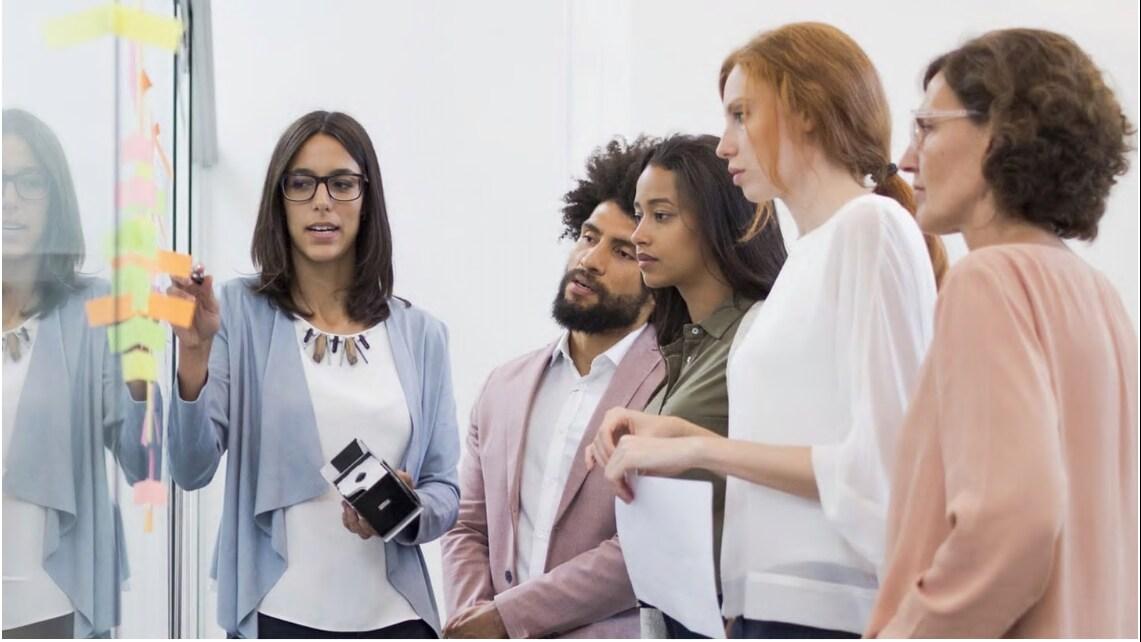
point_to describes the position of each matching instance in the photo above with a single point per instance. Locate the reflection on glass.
(65, 405)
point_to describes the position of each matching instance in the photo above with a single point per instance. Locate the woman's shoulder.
(413, 318)
(872, 214)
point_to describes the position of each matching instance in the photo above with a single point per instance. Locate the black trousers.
(763, 629)
(273, 628)
(676, 630)
(57, 627)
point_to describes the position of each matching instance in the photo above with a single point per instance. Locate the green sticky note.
(137, 331)
(139, 366)
(136, 235)
(134, 280)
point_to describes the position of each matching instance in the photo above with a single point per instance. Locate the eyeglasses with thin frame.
(341, 187)
(923, 120)
(31, 184)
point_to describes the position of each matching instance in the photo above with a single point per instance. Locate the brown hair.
(271, 250)
(1059, 138)
(820, 74)
(61, 248)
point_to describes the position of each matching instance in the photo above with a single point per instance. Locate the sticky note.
(128, 23)
(137, 191)
(146, 28)
(77, 27)
(137, 148)
(142, 170)
(149, 491)
(134, 281)
(108, 309)
(174, 263)
(138, 331)
(174, 310)
(136, 235)
(139, 366)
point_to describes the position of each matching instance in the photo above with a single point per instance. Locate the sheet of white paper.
(667, 540)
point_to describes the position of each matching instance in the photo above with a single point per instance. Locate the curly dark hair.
(1060, 138)
(611, 175)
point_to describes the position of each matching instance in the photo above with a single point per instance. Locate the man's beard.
(609, 313)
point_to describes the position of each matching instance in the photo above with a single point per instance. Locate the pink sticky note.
(150, 491)
(137, 191)
(137, 148)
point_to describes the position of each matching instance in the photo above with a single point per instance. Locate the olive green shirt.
(694, 389)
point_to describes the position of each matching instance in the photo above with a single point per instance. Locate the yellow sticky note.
(146, 28)
(132, 24)
(139, 366)
(143, 170)
(78, 27)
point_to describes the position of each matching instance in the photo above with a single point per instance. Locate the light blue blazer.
(74, 407)
(256, 407)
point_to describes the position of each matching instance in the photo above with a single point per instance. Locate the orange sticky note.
(174, 263)
(133, 259)
(176, 311)
(109, 309)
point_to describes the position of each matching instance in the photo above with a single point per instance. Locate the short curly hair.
(1059, 137)
(611, 175)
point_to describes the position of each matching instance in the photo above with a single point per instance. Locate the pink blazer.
(585, 591)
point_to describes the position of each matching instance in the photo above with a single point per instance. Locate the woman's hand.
(207, 316)
(621, 422)
(658, 456)
(353, 521)
(194, 342)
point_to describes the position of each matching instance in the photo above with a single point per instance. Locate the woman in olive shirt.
(700, 249)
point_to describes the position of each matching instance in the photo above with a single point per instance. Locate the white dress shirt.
(30, 594)
(563, 406)
(830, 363)
(334, 580)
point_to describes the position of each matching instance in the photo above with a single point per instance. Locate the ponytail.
(894, 187)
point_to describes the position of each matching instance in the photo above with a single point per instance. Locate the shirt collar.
(725, 315)
(614, 354)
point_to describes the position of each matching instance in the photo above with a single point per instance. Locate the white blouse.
(362, 401)
(30, 594)
(830, 363)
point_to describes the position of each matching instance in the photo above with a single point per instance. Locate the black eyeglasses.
(31, 185)
(341, 187)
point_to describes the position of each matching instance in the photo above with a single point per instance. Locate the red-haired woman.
(819, 381)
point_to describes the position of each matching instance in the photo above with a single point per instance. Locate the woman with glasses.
(820, 379)
(65, 406)
(1014, 504)
(282, 370)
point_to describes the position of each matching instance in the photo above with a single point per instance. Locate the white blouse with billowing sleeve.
(830, 363)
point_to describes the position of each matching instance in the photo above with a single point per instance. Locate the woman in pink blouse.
(1014, 500)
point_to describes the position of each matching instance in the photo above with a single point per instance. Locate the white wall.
(482, 112)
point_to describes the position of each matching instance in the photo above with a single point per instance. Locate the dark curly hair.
(611, 175)
(1059, 137)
